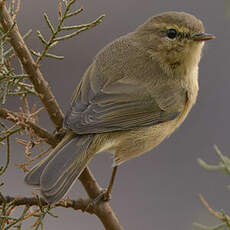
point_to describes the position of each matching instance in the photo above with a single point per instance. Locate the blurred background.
(158, 190)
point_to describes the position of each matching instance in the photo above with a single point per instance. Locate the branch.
(79, 204)
(14, 117)
(212, 212)
(220, 215)
(103, 209)
(29, 65)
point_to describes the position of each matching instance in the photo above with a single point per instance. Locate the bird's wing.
(98, 107)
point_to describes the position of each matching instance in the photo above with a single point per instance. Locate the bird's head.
(174, 39)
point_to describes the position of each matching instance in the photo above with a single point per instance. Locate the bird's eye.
(171, 33)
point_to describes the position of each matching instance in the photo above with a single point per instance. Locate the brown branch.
(17, 9)
(14, 117)
(218, 215)
(211, 211)
(41, 86)
(103, 209)
(79, 204)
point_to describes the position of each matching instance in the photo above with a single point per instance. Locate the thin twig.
(2, 171)
(205, 203)
(220, 215)
(17, 9)
(79, 204)
(36, 77)
(13, 116)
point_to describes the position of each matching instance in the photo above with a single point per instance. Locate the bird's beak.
(202, 37)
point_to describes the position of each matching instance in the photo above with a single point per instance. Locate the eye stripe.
(184, 35)
(173, 33)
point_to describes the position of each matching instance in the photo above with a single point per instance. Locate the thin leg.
(109, 189)
(106, 194)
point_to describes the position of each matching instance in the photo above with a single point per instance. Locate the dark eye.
(171, 33)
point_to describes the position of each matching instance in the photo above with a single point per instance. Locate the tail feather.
(33, 177)
(61, 173)
(56, 173)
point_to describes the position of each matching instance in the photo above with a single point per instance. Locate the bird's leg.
(105, 195)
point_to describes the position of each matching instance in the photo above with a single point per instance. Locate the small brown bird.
(136, 92)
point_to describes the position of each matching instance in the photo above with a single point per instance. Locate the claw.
(103, 196)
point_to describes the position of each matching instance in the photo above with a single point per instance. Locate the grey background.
(159, 189)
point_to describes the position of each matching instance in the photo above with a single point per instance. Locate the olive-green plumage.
(136, 92)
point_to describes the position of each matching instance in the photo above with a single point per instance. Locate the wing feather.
(99, 107)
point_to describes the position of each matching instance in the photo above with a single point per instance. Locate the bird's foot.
(104, 196)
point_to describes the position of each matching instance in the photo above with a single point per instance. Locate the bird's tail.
(58, 171)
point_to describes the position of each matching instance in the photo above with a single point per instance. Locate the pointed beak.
(202, 37)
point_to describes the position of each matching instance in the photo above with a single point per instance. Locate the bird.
(136, 93)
